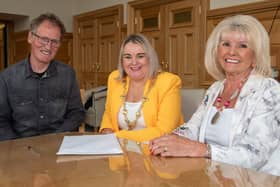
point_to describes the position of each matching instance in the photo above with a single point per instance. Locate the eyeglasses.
(45, 40)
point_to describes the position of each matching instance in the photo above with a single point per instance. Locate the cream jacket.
(256, 133)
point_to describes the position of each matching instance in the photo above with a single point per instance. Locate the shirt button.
(42, 117)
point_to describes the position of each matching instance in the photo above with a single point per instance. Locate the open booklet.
(107, 144)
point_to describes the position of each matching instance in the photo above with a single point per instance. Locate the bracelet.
(208, 151)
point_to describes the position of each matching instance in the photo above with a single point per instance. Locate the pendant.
(215, 118)
(131, 125)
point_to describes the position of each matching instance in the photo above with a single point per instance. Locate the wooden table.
(33, 162)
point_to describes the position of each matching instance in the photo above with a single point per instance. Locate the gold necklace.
(132, 124)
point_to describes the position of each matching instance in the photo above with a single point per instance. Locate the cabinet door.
(182, 40)
(108, 47)
(149, 22)
(87, 53)
(65, 52)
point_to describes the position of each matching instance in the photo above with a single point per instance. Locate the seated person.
(238, 121)
(40, 95)
(142, 102)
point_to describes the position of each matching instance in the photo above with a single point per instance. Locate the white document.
(90, 145)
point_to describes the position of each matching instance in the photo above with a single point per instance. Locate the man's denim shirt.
(33, 105)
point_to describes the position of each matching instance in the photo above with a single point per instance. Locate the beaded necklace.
(221, 106)
(132, 124)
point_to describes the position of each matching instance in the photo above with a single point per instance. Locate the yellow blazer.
(162, 110)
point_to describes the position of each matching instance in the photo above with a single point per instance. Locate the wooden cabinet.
(1, 48)
(175, 29)
(267, 12)
(65, 51)
(20, 45)
(96, 45)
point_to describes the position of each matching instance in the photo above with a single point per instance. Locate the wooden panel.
(21, 46)
(1, 50)
(123, 32)
(182, 44)
(87, 55)
(97, 40)
(86, 28)
(109, 43)
(65, 52)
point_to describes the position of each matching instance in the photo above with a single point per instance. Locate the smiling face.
(135, 61)
(42, 53)
(234, 54)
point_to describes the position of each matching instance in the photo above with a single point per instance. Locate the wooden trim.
(102, 12)
(131, 6)
(243, 9)
(20, 47)
(10, 28)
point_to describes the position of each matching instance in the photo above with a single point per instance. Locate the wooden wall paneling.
(123, 32)
(87, 52)
(20, 45)
(182, 54)
(65, 52)
(97, 36)
(1, 50)
(108, 42)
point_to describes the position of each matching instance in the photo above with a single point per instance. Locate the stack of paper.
(90, 145)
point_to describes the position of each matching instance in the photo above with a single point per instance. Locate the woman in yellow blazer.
(142, 102)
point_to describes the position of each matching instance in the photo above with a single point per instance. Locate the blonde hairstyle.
(258, 41)
(149, 50)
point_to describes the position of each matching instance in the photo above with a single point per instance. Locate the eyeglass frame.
(45, 40)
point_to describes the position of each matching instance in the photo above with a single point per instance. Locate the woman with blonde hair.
(140, 96)
(238, 120)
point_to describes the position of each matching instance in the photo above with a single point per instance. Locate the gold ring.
(165, 149)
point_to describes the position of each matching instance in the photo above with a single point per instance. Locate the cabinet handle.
(162, 64)
(97, 66)
(166, 65)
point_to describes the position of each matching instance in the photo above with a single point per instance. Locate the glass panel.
(182, 17)
(150, 22)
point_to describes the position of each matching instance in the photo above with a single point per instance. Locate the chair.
(94, 112)
(191, 99)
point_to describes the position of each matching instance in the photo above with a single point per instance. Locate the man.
(40, 95)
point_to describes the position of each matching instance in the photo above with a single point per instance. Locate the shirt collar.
(51, 71)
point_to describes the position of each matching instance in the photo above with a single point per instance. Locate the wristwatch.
(208, 151)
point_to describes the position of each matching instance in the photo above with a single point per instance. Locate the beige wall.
(65, 9)
(214, 4)
(33, 8)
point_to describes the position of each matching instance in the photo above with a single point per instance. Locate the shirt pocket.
(23, 107)
(57, 105)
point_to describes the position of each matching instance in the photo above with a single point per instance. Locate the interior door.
(108, 46)
(182, 40)
(87, 53)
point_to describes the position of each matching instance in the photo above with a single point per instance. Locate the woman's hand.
(177, 146)
(107, 131)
